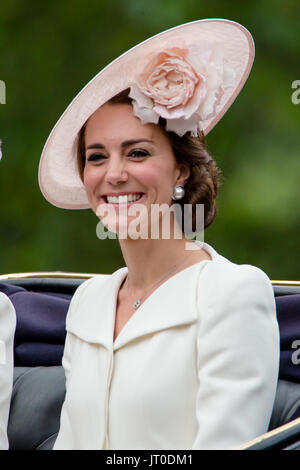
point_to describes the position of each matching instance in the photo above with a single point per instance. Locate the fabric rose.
(182, 85)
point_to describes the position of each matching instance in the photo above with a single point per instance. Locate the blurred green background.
(49, 50)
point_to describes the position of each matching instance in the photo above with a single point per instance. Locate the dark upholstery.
(287, 403)
(288, 315)
(39, 388)
(41, 313)
(38, 395)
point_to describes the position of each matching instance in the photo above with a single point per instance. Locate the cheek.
(156, 177)
(90, 179)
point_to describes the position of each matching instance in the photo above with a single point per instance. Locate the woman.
(7, 329)
(179, 349)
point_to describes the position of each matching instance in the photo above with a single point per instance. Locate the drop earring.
(178, 193)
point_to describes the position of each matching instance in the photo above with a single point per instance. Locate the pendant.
(137, 303)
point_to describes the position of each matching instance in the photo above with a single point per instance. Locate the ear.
(183, 173)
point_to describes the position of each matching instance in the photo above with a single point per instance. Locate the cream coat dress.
(195, 367)
(7, 330)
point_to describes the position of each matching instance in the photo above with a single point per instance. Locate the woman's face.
(126, 160)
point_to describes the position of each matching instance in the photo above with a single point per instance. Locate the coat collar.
(173, 303)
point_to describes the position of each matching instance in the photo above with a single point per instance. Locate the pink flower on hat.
(182, 85)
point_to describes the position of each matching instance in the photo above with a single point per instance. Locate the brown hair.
(204, 181)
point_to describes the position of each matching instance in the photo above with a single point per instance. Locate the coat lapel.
(172, 304)
(94, 316)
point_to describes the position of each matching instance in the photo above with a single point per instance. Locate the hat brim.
(59, 178)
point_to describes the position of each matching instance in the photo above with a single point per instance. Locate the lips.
(106, 209)
(122, 199)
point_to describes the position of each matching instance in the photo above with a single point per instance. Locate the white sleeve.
(7, 331)
(237, 354)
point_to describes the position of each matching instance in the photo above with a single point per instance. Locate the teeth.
(123, 199)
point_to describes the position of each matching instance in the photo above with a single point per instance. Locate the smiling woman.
(178, 349)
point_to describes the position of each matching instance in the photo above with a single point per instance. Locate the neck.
(148, 260)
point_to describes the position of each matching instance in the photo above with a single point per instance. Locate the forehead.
(117, 122)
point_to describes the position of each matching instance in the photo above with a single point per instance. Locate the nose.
(116, 172)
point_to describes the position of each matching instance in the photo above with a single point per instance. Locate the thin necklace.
(139, 300)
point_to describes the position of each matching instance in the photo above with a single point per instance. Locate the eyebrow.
(126, 143)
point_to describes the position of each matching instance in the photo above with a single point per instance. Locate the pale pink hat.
(213, 58)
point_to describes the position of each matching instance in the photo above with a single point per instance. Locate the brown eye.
(139, 153)
(95, 157)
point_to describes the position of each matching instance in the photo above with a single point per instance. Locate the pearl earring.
(178, 193)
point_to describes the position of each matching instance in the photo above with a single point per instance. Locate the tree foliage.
(50, 50)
